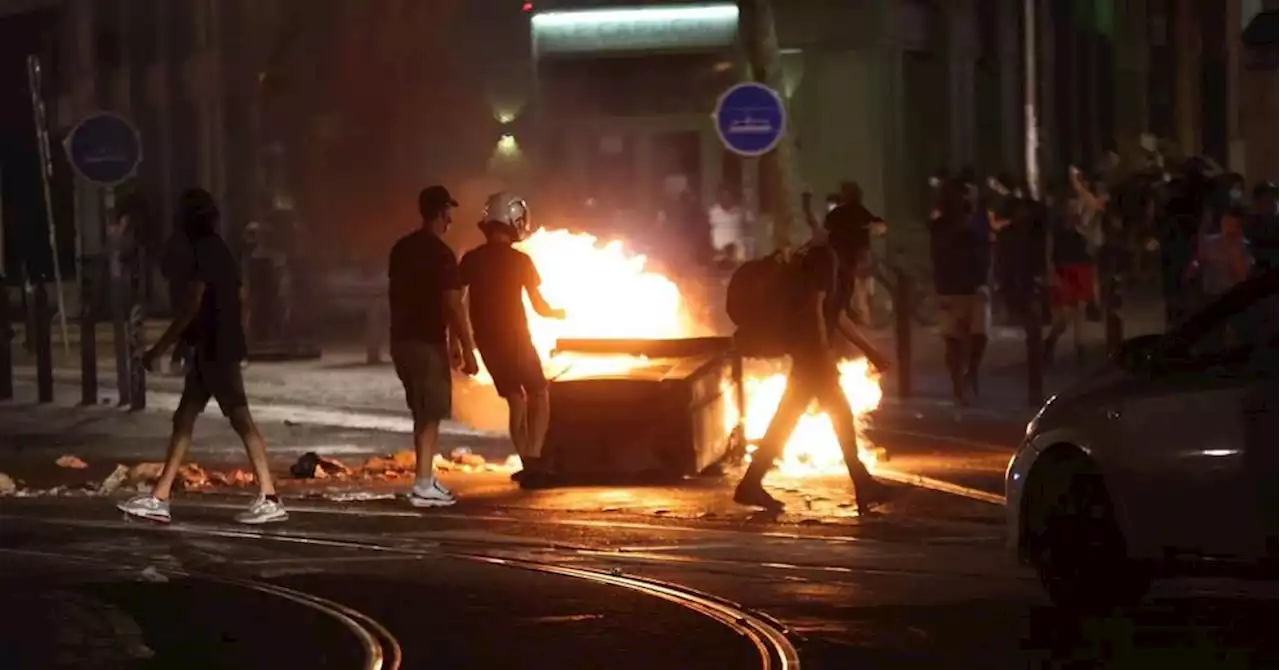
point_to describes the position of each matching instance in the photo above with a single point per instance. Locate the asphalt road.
(531, 588)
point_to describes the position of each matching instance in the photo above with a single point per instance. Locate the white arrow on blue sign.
(751, 119)
(104, 149)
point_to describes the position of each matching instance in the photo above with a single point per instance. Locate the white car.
(1161, 464)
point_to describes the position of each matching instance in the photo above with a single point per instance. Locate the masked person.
(786, 305)
(211, 323)
(497, 277)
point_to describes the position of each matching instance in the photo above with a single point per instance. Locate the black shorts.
(515, 367)
(217, 379)
(424, 370)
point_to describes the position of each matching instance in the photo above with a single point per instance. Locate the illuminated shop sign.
(705, 26)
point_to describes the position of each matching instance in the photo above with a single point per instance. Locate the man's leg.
(184, 423)
(425, 371)
(226, 383)
(426, 439)
(539, 421)
(795, 400)
(832, 400)
(256, 447)
(977, 339)
(518, 424)
(195, 395)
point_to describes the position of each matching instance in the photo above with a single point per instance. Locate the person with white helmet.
(497, 277)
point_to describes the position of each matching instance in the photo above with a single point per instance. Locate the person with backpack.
(497, 277)
(786, 304)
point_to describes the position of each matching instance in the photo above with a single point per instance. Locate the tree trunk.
(777, 168)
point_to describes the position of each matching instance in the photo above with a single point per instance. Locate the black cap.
(432, 199)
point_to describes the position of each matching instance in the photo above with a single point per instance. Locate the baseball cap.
(434, 198)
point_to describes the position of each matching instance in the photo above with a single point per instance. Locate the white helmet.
(508, 210)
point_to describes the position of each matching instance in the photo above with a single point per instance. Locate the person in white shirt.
(729, 224)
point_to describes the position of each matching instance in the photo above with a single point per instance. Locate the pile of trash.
(399, 465)
(141, 478)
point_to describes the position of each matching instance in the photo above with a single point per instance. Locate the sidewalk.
(342, 389)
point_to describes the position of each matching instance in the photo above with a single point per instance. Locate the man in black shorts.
(814, 319)
(425, 296)
(497, 276)
(211, 323)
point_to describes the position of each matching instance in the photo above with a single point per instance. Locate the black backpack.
(762, 300)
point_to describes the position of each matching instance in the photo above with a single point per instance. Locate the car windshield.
(1244, 318)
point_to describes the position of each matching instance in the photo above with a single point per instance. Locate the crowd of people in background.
(1085, 243)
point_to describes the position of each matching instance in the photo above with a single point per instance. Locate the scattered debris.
(114, 481)
(313, 466)
(145, 473)
(7, 485)
(72, 462)
(152, 575)
(193, 476)
(356, 496)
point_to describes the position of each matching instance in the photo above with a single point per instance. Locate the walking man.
(498, 276)
(212, 323)
(428, 321)
(815, 315)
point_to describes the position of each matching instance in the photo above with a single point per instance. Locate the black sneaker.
(754, 495)
(871, 494)
(537, 479)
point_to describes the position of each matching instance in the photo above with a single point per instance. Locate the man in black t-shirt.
(211, 323)
(427, 317)
(497, 276)
(814, 376)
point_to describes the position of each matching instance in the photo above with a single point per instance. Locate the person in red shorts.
(1073, 281)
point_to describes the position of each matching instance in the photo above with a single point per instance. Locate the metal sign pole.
(6, 319)
(46, 175)
(120, 302)
(88, 314)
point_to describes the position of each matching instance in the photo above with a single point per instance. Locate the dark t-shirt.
(817, 271)
(1020, 249)
(497, 276)
(218, 332)
(1069, 245)
(960, 253)
(850, 228)
(422, 268)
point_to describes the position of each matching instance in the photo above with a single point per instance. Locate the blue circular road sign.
(104, 149)
(751, 119)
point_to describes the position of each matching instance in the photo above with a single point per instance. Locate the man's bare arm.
(850, 332)
(540, 305)
(195, 292)
(459, 322)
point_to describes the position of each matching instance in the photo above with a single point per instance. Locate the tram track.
(770, 638)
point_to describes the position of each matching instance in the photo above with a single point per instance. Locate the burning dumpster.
(668, 409)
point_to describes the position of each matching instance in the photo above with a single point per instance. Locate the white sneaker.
(146, 507)
(263, 511)
(431, 495)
